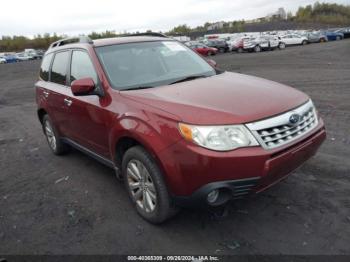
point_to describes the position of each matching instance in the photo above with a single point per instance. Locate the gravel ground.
(74, 205)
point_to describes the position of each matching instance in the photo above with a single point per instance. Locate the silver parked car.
(273, 41)
(24, 57)
(255, 44)
(316, 37)
(2, 60)
(294, 39)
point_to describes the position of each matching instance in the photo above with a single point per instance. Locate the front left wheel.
(281, 45)
(257, 49)
(146, 187)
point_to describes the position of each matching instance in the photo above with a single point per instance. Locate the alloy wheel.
(141, 186)
(50, 135)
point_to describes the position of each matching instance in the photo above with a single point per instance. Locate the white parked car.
(273, 41)
(235, 44)
(24, 57)
(2, 60)
(294, 39)
(256, 44)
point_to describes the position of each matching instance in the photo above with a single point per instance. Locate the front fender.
(154, 132)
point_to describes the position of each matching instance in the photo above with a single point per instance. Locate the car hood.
(227, 98)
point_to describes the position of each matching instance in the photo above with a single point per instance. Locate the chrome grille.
(279, 130)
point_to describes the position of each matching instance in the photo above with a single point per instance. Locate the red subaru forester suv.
(175, 128)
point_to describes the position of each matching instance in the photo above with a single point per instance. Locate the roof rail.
(149, 34)
(71, 40)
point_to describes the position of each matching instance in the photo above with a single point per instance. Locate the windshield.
(150, 64)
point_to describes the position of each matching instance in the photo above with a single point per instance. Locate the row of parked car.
(26, 55)
(257, 42)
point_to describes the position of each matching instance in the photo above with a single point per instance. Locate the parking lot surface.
(74, 205)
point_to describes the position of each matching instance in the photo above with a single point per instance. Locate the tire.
(55, 143)
(209, 53)
(257, 49)
(322, 40)
(338, 38)
(281, 45)
(304, 42)
(150, 197)
(240, 50)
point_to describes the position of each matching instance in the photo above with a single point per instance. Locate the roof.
(82, 41)
(128, 39)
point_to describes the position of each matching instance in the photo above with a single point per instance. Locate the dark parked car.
(10, 58)
(221, 45)
(334, 36)
(344, 31)
(177, 130)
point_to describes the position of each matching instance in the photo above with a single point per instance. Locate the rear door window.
(59, 68)
(45, 67)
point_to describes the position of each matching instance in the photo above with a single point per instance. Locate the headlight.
(220, 138)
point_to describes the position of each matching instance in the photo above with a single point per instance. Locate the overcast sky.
(73, 17)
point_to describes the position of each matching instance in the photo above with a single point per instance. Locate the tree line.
(323, 13)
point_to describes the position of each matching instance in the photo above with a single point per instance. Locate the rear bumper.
(192, 172)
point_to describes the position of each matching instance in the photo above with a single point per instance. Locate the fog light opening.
(213, 196)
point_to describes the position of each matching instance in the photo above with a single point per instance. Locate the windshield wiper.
(188, 78)
(136, 88)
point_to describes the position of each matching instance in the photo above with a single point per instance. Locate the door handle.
(46, 94)
(68, 102)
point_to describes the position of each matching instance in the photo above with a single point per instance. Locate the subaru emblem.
(294, 119)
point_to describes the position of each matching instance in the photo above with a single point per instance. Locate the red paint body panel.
(82, 86)
(190, 167)
(205, 50)
(278, 167)
(151, 117)
(228, 98)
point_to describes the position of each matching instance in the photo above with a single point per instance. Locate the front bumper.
(191, 172)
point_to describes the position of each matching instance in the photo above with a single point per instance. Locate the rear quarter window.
(45, 67)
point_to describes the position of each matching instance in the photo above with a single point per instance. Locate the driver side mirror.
(212, 63)
(83, 87)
